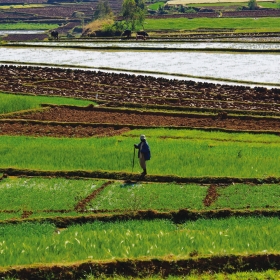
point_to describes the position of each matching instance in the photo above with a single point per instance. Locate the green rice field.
(249, 24)
(61, 224)
(196, 156)
(135, 239)
(27, 26)
(22, 194)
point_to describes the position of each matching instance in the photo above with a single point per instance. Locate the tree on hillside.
(103, 10)
(134, 12)
(253, 5)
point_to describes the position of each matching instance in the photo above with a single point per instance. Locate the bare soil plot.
(124, 89)
(58, 130)
(149, 119)
(25, 37)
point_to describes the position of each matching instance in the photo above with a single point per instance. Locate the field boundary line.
(151, 49)
(135, 177)
(81, 205)
(164, 266)
(176, 217)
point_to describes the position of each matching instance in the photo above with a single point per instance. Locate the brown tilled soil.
(211, 195)
(77, 131)
(105, 116)
(126, 88)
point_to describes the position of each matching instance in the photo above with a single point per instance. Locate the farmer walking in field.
(143, 153)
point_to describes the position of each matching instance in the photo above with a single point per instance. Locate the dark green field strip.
(177, 217)
(145, 267)
(128, 177)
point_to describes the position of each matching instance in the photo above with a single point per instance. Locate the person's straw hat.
(142, 137)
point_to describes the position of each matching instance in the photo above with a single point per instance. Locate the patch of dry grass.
(98, 24)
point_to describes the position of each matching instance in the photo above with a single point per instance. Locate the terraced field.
(73, 205)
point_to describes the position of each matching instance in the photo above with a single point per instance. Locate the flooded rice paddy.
(227, 66)
(159, 45)
(6, 32)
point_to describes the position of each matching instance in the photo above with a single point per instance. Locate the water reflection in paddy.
(250, 67)
(162, 45)
(6, 32)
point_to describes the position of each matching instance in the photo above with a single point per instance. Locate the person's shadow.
(129, 184)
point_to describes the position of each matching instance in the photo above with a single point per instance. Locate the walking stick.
(133, 159)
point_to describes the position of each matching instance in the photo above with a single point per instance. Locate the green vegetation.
(23, 6)
(135, 196)
(44, 197)
(247, 196)
(29, 243)
(26, 194)
(271, 5)
(186, 157)
(194, 134)
(9, 216)
(248, 24)
(13, 102)
(150, 196)
(155, 6)
(27, 26)
(134, 12)
(103, 10)
(252, 4)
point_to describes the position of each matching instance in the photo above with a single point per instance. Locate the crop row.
(36, 195)
(45, 243)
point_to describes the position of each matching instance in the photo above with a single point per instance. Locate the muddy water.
(248, 67)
